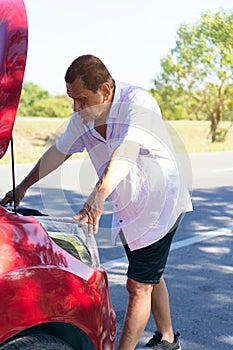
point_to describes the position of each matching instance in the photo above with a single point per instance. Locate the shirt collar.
(113, 112)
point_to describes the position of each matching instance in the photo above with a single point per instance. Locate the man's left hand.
(91, 212)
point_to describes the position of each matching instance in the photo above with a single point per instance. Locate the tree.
(53, 107)
(35, 101)
(29, 95)
(198, 73)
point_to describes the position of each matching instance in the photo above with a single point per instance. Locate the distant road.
(212, 169)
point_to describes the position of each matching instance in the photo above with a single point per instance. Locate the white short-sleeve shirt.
(149, 200)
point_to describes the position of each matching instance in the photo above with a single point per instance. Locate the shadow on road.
(212, 209)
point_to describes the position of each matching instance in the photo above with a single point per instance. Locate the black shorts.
(146, 265)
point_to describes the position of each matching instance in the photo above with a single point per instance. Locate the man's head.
(90, 70)
(89, 84)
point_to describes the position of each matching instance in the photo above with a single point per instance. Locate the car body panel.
(34, 296)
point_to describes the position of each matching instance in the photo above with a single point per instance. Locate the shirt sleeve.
(144, 122)
(71, 141)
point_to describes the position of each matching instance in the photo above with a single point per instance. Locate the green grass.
(33, 135)
(194, 135)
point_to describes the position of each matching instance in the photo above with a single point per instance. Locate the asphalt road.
(199, 272)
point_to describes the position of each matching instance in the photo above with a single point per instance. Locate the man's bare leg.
(137, 314)
(160, 308)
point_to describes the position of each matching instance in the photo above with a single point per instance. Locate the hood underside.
(13, 53)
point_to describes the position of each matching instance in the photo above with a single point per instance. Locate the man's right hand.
(9, 198)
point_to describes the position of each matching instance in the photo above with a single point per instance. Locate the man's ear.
(105, 90)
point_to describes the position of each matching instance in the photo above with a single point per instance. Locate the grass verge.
(33, 135)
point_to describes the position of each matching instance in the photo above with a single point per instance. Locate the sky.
(129, 36)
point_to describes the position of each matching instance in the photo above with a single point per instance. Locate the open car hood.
(13, 52)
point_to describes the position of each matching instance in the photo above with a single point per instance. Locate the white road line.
(177, 245)
(221, 170)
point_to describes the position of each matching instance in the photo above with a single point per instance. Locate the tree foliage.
(197, 75)
(36, 102)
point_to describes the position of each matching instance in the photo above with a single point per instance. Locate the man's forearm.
(49, 161)
(122, 161)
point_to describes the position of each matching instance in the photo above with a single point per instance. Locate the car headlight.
(66, 233)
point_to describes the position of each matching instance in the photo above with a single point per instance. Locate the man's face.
(90, 105)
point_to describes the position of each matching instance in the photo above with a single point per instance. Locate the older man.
(121, 127)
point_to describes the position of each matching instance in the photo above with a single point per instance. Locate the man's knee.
(136, 288)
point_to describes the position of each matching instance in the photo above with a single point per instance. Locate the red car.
(53, 291)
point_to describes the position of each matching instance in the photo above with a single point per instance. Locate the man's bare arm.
(49, 161)
(122, 161)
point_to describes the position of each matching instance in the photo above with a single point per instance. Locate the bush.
(36, 102)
